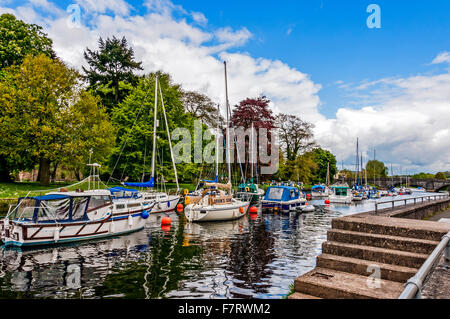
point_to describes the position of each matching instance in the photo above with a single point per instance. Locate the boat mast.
(328, 174)
(252, 157)
(356, 165)
(155, 124)
(217, 142)
(168, 137)
(227, 125)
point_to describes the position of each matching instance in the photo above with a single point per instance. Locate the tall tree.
(377, 169)
(134, 120)
(17, 39)
(201, 107)
(47, 118)
(111, 69)
(323, 158)
(296, 135)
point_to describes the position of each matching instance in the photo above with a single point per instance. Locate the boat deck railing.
(411, 200)
(413, 287)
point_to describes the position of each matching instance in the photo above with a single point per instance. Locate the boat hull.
(196, 213)
(284, 206)
(27, 234)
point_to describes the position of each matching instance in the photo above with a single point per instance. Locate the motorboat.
(283, 198)
(60, 217)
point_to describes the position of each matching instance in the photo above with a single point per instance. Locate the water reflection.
(258, 256)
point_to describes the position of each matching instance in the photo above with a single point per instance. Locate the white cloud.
(408, 127)
(199, 18)
(194, 57)
(443, 57)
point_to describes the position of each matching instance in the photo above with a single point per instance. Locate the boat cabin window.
(98, 201)
(133, 205)
(120, 206)
(58, 209)
(340, 191)
(275, 193)
(25, 209)
(79, 205)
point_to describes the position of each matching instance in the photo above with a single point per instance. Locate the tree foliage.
(322, 158)
(296, 135)
(376, 169)
(46, 118)
(134, 120)
(201, 107)
(17, 39)
(111, 69)
(440, 175)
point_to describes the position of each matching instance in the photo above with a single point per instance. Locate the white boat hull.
(197, 213)
(31, 234)
(340, 199)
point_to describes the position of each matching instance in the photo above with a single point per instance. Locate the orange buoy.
(306, 204)
(241, 209)
(166, 220)
(327, 201)
(308, 196)
(253, 209)
(180, 207)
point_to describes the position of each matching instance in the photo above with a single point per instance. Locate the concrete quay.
(372, 256)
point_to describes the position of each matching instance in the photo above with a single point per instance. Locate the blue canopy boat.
(283, 198)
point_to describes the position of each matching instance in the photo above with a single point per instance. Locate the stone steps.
(365, 267)
(421, 246)
(400, 227)
(298, 295)
(333, 284)
(375, 254)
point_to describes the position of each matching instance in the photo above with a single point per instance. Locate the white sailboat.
(163, 202)
(216, 202)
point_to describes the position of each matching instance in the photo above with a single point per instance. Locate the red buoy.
(253, 209)
(165, 228)
(180, 208)
(306, 204)
(166, 220)
(253, 216)
(327, 201)
(308, 196)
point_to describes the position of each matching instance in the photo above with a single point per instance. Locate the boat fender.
(144, 214)
(130, 220)
(187, 200)
(56, 234)
(247, 189)
(241, 209)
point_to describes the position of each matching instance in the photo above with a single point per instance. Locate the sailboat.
(163, 201)
(215, 201)
(250, 191)
(320, 190)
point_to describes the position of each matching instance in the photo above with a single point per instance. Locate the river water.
(254, 257)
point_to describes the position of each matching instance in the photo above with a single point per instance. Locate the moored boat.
(61, 217)
(341, 194)
(283, 198)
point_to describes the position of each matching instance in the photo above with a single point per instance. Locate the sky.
(318, 59)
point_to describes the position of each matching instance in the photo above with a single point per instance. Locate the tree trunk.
(4, 171)
(53, 176)
(44, 172)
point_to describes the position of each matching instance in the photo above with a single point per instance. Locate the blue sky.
(316, 59)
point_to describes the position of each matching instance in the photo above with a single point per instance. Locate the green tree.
(323, 158)
(376, 169)
(17, 39)
(111, 69)
(47, 118)
(440, 175)
(134, 121)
